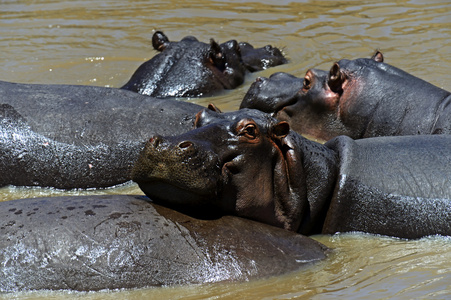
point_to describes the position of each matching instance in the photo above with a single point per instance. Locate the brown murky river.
(102, 42)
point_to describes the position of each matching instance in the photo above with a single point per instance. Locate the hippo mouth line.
(284, 104)
(229, 166)
(168, 192)
(284, 108)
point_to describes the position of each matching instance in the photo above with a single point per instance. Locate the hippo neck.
(320, 167)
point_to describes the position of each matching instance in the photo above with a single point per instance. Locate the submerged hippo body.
(79, 136)
(255, 167)
(110, 242)
(358, 98)
(190, 68)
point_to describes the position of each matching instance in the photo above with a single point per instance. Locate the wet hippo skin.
(248, 164)
(359, 98)
(68, 136)
(110, 242)
(190, 68)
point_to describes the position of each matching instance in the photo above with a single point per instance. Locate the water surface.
(103, 42)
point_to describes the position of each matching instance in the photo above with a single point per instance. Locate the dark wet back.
(113, 242)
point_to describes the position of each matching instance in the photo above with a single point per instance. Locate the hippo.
(248, 164)
(190, 68)
(90, 243)
(68, 136)
(359, 98)
(259, 59)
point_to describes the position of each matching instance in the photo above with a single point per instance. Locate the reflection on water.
(103, 42)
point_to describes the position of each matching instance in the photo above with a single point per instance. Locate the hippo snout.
(169, 167)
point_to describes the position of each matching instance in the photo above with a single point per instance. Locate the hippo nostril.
(185, 144)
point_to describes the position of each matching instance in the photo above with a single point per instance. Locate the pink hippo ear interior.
(213, 107)
(159, 41)
(378, 56)
(336, 79)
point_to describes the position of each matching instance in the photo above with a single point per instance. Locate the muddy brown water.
(102, 43)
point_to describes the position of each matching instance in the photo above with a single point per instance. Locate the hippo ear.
(216, 55)
(280, 130)
(378, 56)
(159, 41)
(213, 107)
(336, 78)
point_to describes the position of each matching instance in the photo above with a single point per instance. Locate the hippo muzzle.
(272, 94)
(178, 171)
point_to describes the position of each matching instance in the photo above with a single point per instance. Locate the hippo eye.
(307, 83)
(250, 131)
(247, 129)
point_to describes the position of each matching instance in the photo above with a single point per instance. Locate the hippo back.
(68, 136)
(397, 186)
(387, 101)
(111, 242)
(89, 115)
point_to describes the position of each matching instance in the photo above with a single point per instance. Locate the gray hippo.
(248, 164)
(67, 136)
(112, 242)
(359, 98)
(190, 68)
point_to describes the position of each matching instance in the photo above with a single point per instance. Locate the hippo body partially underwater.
(68, 136)
(94, 243)
(256, 167)
(359, 98)
(190, 68)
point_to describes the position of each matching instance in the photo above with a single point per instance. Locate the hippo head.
(190, 68)
(313, 106)
(257, 59)
(240, 163)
